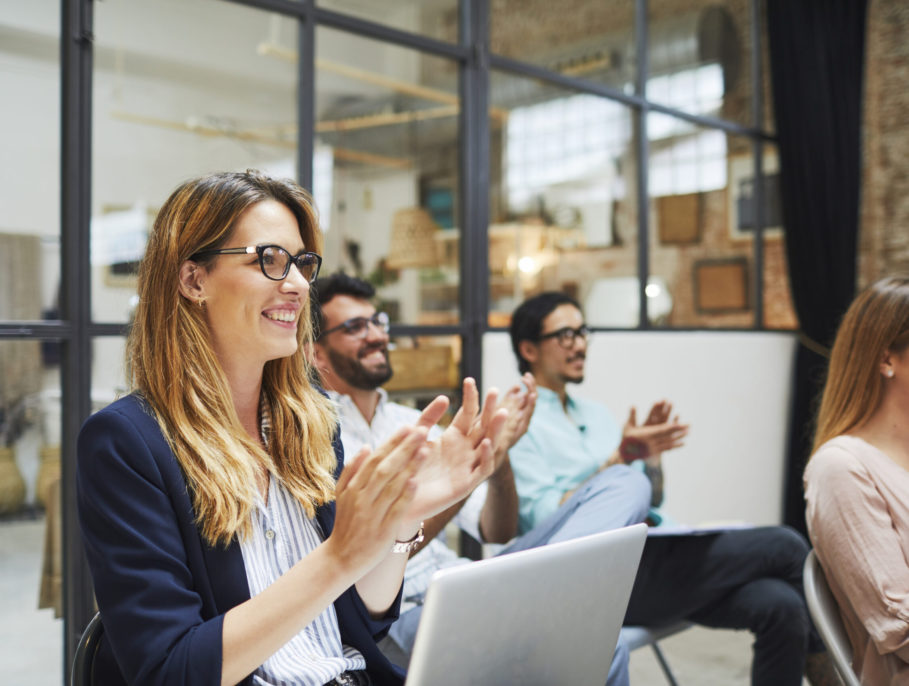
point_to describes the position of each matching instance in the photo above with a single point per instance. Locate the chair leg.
(670, 677)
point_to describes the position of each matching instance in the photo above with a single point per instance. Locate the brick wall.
(884, 238)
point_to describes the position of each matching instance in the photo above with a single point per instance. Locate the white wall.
(363, 208)
(734, 390)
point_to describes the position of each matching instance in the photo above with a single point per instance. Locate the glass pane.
(30, 530)
(436, 19)
(701, 249)
(30, 525)
(591, 40)
(215, 95)
(779, 312)
(563, 210)
(424, 367)
(387, 138)
(700, 58)
(109, 380)
(767, 85)
(30, 147)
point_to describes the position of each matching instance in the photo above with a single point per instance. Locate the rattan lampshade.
(413, 242)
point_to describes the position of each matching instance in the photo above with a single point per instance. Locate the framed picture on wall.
(742, 205)
(679, 218)
(721, 285)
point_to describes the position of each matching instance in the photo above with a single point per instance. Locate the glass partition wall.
(31, 559)
(624, 172)
(463, 155)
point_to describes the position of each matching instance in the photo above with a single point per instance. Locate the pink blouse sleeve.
(854, 536)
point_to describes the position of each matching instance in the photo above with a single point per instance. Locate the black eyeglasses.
(274, 260)
(566, 335)
(358, 326)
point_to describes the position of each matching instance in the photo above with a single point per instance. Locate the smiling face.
(359, 362)
(252, 318)
(552, 365)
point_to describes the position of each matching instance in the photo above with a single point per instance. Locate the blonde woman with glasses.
(227, 541)
(857, 480)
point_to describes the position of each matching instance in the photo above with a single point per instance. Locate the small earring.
(201, 302)
(889, 373)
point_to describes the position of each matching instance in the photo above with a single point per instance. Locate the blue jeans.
(616, 497)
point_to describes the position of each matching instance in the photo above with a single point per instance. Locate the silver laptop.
(549, 615)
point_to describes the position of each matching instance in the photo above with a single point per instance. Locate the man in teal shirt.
(738, 578)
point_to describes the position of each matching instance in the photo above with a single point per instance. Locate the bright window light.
(579, 136)
(527, 265)
(562, 140)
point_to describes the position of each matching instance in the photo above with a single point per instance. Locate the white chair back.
(826, 615)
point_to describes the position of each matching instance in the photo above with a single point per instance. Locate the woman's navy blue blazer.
(161, 589)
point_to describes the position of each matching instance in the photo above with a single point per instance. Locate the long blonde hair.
(877, 321)
(173, 365)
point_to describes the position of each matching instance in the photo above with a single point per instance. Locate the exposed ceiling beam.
(396, 85)
(199, 129)
(385, 119)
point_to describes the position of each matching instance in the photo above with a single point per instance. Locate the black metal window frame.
(76, 329)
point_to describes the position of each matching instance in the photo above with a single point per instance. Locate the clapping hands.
(462, 457)
(658, 433)
(383, 495)
(519, 403)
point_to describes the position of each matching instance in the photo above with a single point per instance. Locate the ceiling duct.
(683, 41)
(677, 43)
(692, 40)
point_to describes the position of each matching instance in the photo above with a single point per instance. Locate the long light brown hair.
(876, 322)
(173, 365)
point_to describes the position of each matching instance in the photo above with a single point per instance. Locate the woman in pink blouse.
(857, 480)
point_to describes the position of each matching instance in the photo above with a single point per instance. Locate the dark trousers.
(738, 579)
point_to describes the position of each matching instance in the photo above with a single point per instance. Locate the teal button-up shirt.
(562, 448)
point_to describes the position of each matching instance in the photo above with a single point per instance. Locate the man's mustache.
(579, 356)
(371, 348)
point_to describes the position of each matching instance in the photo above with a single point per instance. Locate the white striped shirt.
(282, 535)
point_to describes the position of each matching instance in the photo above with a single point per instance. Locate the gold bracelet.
(410, 544)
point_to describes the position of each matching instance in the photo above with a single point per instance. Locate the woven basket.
(413, 239)
(12, 485)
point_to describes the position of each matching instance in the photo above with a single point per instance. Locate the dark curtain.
(817, 52)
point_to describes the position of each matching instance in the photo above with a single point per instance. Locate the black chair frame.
(83, 672)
